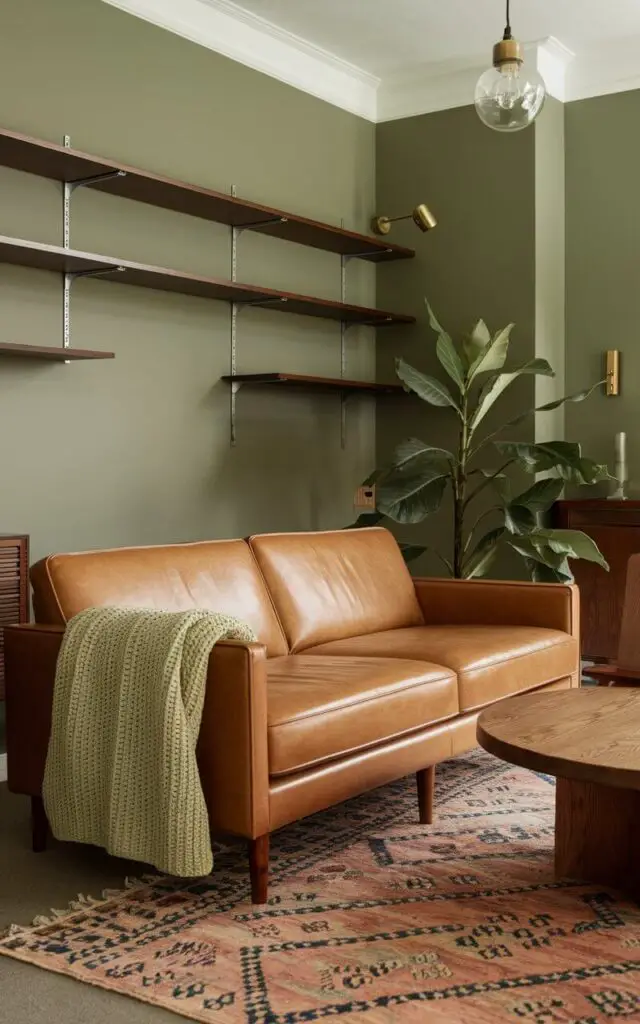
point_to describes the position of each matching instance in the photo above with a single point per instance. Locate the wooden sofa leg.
(259, 868)
(426, 778)
(39, 825)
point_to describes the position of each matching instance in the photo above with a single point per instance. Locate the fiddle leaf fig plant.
(422, 475)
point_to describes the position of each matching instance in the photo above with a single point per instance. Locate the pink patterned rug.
(373, 919)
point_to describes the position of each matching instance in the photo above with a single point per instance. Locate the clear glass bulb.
(510, 97)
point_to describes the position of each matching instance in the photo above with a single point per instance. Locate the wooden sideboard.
(615, 527)
(14, 587)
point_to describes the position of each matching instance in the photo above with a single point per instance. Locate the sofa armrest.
(500, 602)
(31, 653)
(232, 746)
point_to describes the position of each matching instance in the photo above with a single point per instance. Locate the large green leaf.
(572, 544)
(589, 472)
(414, 449)
(366, 519)
(499, 384)
(565, 457)
(483, 554)
(476, 342)
(408, 497)
(540, 573)
(446, 351)
(578, 396)
(450, 360)
(494, 356)
(518, 519)
(537, 551)
(542, 495)
(536, 458)
(412, 551)
(500, 481)
(429, 389)
(434, 323)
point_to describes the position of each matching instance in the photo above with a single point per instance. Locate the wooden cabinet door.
(615, 527)
(14, 592)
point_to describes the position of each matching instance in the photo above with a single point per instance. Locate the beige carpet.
(29, 885)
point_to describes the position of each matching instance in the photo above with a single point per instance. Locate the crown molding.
(611, 68)
(221, 26)
(248, 39)
(553, 60)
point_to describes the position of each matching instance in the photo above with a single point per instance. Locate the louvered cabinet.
(14, 589)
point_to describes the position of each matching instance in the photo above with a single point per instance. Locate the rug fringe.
(80, 903)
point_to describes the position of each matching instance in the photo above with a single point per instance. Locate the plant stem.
(487, 512)
(488, 480)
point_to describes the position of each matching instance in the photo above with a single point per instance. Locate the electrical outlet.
(365, 497)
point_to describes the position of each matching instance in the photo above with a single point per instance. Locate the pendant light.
(509, 96)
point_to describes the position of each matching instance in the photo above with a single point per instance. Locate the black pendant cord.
(507, 31)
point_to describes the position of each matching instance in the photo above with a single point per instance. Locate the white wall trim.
(225, 28)
(263, 47)
(3, 767)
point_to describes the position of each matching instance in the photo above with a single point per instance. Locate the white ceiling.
(386, 59)
(386, 36)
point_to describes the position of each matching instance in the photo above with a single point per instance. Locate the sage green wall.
(137, 450)
(603, 260)
(478, 262)
(550, 266)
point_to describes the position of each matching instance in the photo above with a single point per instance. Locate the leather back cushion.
(214, 575)
(326, 586)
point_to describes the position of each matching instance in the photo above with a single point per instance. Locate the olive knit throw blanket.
(121, 767)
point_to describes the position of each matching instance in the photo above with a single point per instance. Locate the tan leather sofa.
(360, 675)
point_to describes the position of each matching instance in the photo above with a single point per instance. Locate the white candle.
(621, 448)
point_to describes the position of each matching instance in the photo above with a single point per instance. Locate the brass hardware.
(422, 217)
(612, 385)
(507, 51)
(381, 225)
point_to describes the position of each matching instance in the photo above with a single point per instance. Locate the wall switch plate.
(365, 497)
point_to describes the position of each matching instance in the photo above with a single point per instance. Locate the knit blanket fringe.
(121, 768)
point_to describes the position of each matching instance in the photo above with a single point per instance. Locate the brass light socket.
(423, 218)
(612, 372)
(507, 51)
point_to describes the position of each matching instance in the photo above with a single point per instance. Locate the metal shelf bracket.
(68, 280)
(68, 189)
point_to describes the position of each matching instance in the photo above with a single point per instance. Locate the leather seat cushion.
(490, 661)
(326, 586)
(320, 709)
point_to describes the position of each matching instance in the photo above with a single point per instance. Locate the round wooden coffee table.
(590, 740)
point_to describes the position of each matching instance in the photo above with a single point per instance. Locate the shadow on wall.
(287, 470)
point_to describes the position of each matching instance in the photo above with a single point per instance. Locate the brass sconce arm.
(422, 217)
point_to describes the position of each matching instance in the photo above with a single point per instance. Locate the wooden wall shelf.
(50, 160)
(51, 354)
(70, 261)
(296, 380)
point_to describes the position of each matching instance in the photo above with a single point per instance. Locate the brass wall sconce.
(612, 372)
(422, 217)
